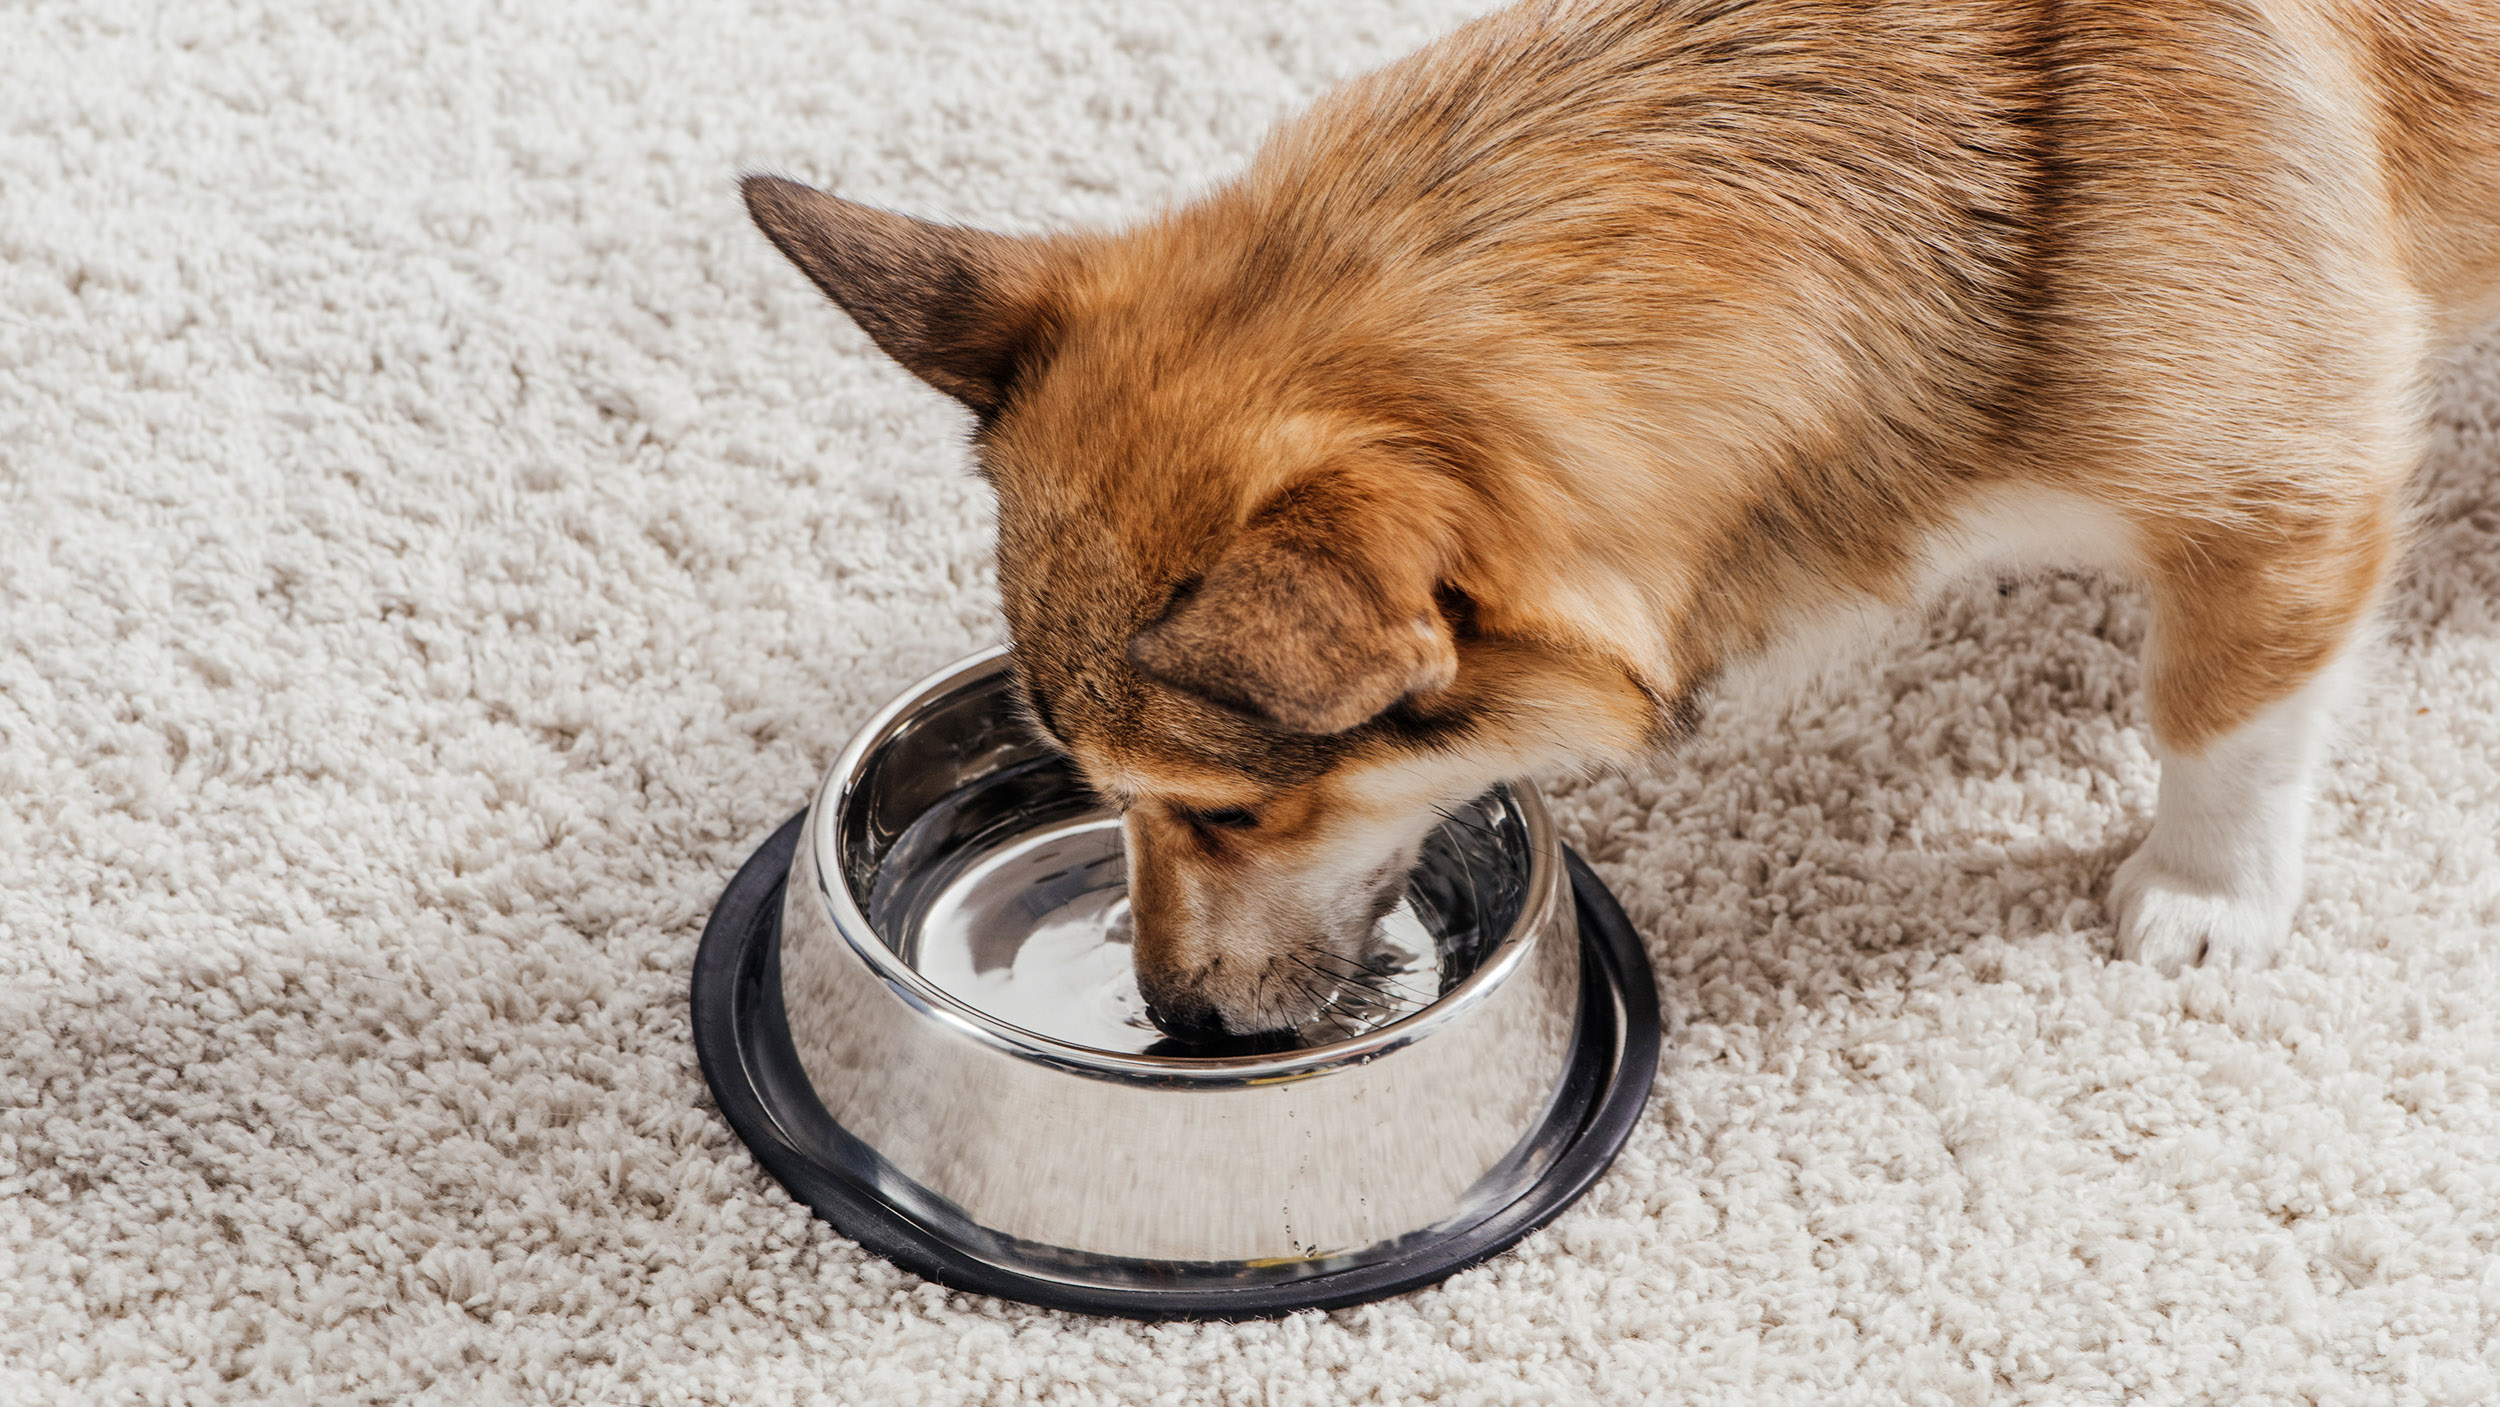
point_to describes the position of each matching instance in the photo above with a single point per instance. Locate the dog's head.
(1257, 578)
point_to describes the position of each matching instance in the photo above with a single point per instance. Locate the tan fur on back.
(1703, 312)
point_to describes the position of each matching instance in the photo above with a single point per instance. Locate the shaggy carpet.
(438, 539)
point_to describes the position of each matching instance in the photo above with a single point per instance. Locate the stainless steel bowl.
(969, 1080)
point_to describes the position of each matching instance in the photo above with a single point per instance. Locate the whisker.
(1373, 994)
(1362, 980)
(1346, 969)
(1313, 985)
(1455, 819)
(1356, 1001)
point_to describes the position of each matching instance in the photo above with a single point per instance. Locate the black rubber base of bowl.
(743, 1039)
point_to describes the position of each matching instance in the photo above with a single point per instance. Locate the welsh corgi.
(1524, 393)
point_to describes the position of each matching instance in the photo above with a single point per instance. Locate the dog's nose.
(1186, 1018)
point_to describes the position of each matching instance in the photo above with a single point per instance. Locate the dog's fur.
(1527, 389)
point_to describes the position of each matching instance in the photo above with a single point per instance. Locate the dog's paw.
(2168, 920)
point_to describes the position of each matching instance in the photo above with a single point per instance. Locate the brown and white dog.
(1524, 392)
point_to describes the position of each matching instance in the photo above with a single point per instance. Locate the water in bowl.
(1011, 895)
(1036, 933)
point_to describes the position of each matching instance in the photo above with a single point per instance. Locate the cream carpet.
(438, 539)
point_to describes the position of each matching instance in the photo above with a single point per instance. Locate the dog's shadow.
(2450, 583)
(1977, 787)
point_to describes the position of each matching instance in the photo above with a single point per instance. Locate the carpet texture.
(438, 539)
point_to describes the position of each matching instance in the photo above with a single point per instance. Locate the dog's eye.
(1222, 818)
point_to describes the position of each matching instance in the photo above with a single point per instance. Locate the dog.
(1526, 394)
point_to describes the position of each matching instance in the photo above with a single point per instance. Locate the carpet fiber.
(439, 539)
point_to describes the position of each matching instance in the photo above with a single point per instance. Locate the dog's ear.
(960, 309)
(1320, 615)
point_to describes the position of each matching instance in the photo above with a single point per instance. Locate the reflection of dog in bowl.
(1525, 390)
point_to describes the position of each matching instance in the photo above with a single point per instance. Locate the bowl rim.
(1538, 911)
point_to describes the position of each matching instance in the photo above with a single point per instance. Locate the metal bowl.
(931, 1035)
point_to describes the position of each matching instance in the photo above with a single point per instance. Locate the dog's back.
(2428, 75)
(1757, 295)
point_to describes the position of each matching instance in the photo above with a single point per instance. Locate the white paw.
(2168, 920)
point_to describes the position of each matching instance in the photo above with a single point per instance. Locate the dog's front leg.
(2218, 878)
(2244, 676)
